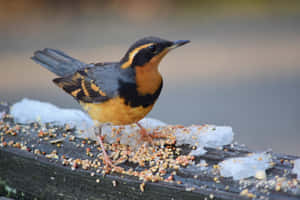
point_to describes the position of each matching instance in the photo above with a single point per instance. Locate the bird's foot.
(145, 136)
(148, 137)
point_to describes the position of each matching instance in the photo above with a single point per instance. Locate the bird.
(115, 93)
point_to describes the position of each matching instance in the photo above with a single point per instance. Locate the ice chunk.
(296, 168)
(27, 111)
(198, 152)
(244, 167)
(204, 136)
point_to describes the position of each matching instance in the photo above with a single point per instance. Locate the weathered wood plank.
(27, 175)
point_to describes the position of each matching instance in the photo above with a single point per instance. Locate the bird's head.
(149, 51)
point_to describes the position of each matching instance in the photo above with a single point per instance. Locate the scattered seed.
(114, 183)
(142, 187)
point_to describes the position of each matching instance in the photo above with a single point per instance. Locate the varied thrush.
(118, 93)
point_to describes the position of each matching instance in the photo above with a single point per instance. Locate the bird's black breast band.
(129, 92)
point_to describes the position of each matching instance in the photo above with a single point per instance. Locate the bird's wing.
(94, 84)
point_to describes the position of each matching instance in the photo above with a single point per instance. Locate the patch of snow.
(28, 111)
(244, 167)
(199, 136)
(296, 168)
(204, 136)
(198, 152)
(129, 134)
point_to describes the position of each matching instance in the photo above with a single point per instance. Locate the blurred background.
(241, 69)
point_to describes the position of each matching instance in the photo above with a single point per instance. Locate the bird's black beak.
(178, 43)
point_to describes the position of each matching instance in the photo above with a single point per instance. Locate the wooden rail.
(28, 170)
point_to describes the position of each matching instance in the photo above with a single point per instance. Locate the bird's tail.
(57, 61)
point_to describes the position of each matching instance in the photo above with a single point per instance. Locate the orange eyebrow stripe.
(132, 54)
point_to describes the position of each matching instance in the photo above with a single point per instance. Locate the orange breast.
(116, 112)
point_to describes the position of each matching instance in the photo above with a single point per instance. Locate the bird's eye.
(153, 48)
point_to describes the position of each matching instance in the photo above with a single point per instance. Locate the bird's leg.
(106, 158)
